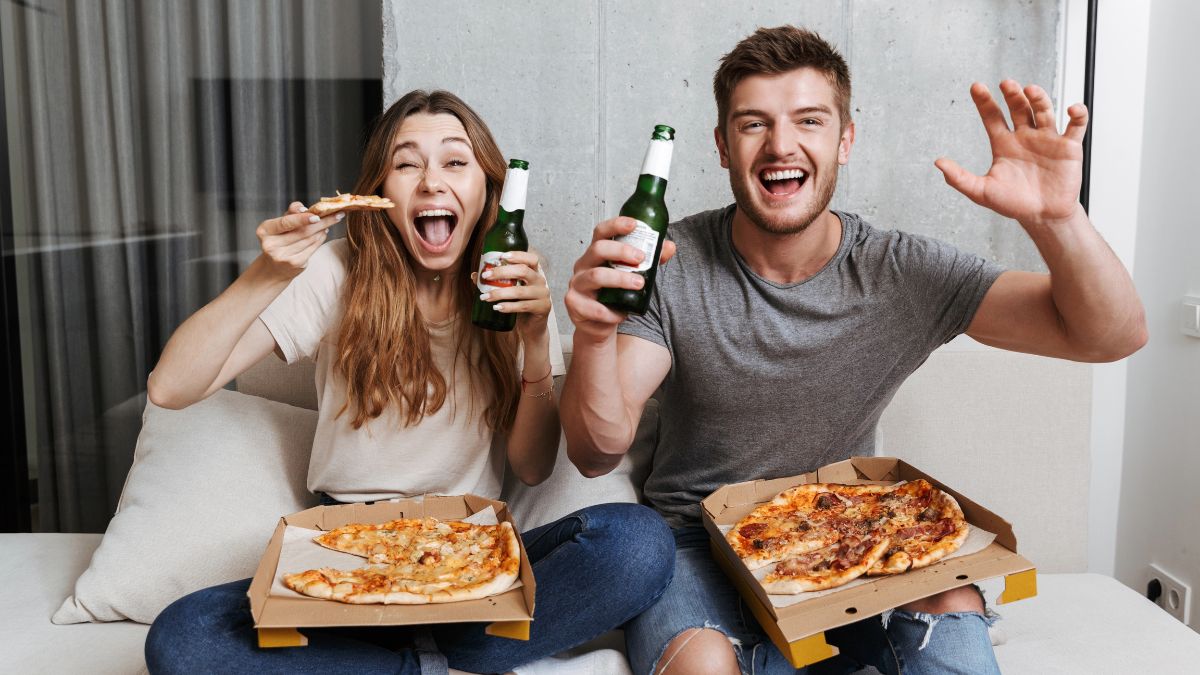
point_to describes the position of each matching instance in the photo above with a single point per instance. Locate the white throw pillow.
(206, 490)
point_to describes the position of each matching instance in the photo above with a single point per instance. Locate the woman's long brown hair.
(383, 343)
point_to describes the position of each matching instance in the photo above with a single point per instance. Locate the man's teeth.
(784, 175)
(434, 212)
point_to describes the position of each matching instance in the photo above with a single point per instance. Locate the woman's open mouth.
(434, 228)
(782, 183)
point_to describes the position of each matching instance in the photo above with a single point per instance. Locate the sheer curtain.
(147, 140)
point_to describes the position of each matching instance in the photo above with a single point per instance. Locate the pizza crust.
(950, 543)
(913, 552)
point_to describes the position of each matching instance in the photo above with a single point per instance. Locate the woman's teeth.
(435, 225)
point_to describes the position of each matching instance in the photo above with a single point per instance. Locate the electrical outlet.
(1168, 592)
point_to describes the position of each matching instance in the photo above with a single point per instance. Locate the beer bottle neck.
(509, 219)
(651, 185)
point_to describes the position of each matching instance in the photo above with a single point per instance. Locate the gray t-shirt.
(771, 380)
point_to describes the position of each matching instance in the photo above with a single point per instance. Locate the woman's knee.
(193, 624)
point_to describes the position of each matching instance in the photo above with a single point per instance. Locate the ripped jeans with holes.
(700, 596)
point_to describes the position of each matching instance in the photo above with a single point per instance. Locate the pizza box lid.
(302, 612)
(731, 503)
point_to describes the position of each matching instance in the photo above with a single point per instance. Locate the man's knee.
(698, 650)
(962, 599)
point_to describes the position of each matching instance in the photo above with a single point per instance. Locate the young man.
(782, 330)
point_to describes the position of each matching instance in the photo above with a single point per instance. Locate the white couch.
(940, 421)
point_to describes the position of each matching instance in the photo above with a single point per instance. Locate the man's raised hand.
(1036, 172)
(592, 273)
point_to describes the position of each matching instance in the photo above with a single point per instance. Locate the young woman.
(410, 397)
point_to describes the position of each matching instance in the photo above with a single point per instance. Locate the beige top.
(449, 452)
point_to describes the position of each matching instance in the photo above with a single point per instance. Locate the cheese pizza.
(417, 561)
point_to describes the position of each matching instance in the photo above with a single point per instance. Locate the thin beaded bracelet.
(545, 394)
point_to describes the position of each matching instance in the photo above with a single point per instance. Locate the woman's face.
(438, 187)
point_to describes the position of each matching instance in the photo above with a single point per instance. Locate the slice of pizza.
(925, 525)
(348, 202)
(805, 518)
(828, 567)
(772, 533)
(379, 543)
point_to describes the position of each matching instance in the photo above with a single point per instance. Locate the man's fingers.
(668, 252)
(584, 308)
(613, 227)
(611, 250)
(589, 282)
(1043, 108)
(605, 251)
(1018, 106)
(1077, 122)
(989, 111)
(960, 179)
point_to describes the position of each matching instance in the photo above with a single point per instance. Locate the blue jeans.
(595, 569)
(700, 596)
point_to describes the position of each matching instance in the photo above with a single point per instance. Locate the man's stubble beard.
(742, 193)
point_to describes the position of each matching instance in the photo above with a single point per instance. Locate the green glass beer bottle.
(648, 207)
(506, 234)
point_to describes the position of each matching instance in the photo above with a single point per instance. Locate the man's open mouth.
(782, 182)
(434, 227)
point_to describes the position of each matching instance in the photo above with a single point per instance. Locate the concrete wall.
(1159, 500)
(576, 87)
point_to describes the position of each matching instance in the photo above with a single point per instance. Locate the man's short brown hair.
(773, 51)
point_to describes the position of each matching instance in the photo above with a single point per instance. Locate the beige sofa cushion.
(1011, 432)
(207, 487)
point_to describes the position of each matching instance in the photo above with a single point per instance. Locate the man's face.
(783, 144)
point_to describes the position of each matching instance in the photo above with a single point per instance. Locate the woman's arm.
(224, 338)
(533, 441)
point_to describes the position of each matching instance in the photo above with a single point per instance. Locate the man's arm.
(1087, 308)
(611, 377)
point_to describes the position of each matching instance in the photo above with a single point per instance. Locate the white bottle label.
(487, 261)
(643, 238)
(658, 159)
(516, 184)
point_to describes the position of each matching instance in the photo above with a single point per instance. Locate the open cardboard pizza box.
(798, 630)
(278, 617)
